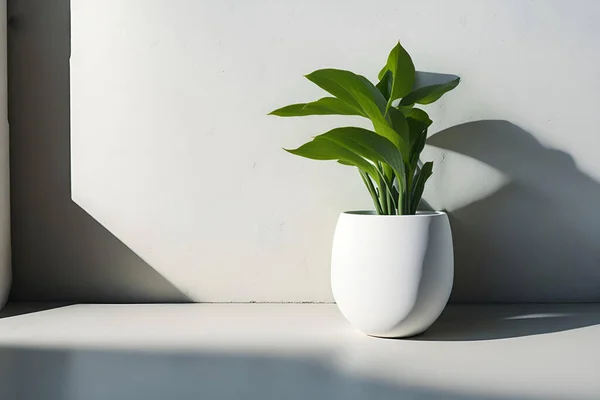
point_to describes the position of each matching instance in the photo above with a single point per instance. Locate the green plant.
(388, 157)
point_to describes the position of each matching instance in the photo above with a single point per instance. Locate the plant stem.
(400, 202)
(401, 195)
(372, 191)
(409, 179)
(385, 195)
(388, 175)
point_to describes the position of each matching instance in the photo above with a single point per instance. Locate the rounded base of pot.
(391, 276)
(392, 335)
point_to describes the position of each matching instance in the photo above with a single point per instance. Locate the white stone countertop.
(294, 351)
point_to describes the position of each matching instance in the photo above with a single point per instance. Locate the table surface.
(294, 351)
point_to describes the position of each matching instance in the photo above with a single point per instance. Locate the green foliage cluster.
(387, 157)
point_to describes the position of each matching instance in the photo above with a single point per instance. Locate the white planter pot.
(391, 276)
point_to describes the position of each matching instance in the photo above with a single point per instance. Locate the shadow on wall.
(536, 239)
(60, 253)
(30, 374)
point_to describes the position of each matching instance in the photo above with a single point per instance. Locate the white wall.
(5, 264)
(173, 153)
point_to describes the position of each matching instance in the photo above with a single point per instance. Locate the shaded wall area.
(60, 253)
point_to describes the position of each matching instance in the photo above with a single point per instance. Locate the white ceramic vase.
(391, 276)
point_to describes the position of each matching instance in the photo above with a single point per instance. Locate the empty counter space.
(294, 351)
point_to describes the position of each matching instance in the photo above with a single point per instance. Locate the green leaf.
(419, 115)
(400, 125)
(385, 85)
(381, 125)
(367, 144)
(345, 163)
(355, 90)
(404, 109)
(402, 68)
(382, 72)
(323, 149)
(355, 146)
(324, 106)
(416, 148)
(429, 94)
(358, 92)
(375, 148)
(418, 121)
(419, 186)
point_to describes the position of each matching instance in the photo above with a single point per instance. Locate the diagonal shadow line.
(25, 308)
(60, 253)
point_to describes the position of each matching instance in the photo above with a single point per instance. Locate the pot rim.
(372, 213)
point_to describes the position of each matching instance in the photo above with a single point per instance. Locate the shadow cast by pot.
(60, 252)
(536, 238)
(489, 322)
